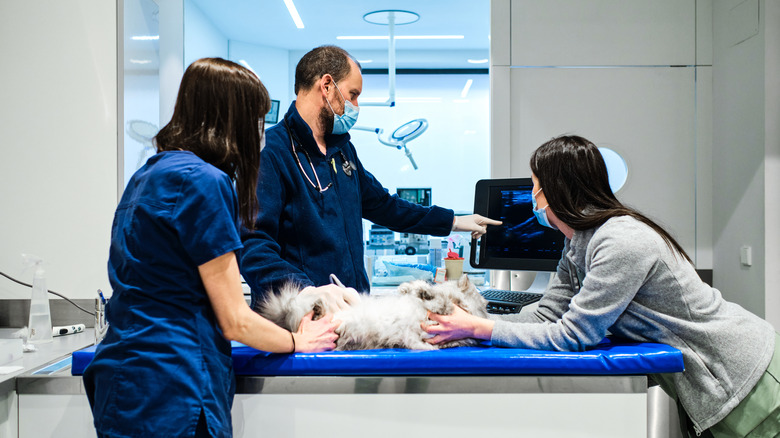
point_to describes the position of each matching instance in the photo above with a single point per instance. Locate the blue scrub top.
(164, 359)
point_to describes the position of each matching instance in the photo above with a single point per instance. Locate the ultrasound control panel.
(505, 301)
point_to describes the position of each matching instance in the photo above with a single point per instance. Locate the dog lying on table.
(382, 321)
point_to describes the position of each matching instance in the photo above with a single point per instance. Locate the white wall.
(201, 38)
(272, 67)
(58, 172)
(745, 149)
(772, 166)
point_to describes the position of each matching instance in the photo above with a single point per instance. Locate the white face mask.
(541, 214)
(343, 123)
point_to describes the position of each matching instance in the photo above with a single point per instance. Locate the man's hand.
(475, 223)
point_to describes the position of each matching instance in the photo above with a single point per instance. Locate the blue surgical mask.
(345, 122)
(541, 214)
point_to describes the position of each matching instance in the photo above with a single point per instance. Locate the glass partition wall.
(140, 79)
(444, 83)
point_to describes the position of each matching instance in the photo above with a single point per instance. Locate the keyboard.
(508, 301)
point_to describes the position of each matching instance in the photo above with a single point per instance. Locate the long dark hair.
(219, 116)
(573, 176)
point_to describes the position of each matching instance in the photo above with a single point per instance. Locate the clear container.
(40, 314)
(101, 325)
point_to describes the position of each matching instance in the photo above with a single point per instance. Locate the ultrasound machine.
(519, 244)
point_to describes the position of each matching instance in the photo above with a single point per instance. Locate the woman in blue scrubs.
(623, 273)
(164, 367)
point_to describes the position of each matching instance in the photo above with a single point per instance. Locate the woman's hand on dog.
(458, 325)
(315, 336)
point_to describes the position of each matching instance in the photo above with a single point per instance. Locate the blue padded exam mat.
(609, 357)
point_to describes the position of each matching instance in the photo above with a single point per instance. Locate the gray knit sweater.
(635, 287)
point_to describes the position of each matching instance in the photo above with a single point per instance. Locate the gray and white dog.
(382, 321)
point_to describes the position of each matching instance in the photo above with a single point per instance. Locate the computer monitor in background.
(411, 244)
(520, 243)
(420, 196)
(273, 114)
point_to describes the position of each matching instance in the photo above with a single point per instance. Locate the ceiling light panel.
(294, 13)
(400, 37)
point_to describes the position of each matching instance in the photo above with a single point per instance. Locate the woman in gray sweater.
(621, 272)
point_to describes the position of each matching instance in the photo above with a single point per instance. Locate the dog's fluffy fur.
(384, 321)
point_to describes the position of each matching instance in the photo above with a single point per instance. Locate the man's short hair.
(320, 61)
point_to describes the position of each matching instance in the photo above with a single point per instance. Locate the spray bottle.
(40, 315)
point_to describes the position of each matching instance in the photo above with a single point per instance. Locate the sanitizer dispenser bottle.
(40, 316)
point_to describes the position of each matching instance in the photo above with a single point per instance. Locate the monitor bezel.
(482, 207)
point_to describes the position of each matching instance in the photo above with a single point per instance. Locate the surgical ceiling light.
(143, 132)
(294, 13)
(402, 135)
(389, 18)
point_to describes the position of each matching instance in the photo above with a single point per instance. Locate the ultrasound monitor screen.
(520, 243)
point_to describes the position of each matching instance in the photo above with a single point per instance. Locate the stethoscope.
(346, 165)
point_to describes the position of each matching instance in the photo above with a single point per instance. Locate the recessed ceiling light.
(419, 99)
(365, 61)
(477, 61)
(140, 61)
(294, 13)
(373, 99)
(145, 37)
(400, 37)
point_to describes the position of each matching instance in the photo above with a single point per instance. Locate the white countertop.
(60, 347)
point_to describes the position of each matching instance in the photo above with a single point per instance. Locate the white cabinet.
(645, 114)
(603, 32)
(623, 74)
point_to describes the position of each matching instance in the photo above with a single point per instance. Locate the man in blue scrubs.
(314, 191)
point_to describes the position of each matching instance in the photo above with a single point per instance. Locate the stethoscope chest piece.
(346, 165)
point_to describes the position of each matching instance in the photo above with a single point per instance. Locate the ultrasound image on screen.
(520, 236)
